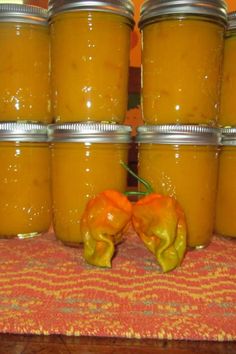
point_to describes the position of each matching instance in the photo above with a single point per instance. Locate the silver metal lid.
(228, 136)
(23, 13)
(20, 131)
(152, 9)
(119, 7)
(178, 134)
(232, 20)
(89, 133)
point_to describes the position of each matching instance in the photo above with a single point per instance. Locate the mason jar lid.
(20, 131)
(228, 136)
(232, 20)
(118, 7)
(23, 13)
(178, 134)
(89, 133)
(152, 9)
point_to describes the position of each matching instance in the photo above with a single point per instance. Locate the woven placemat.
(47, 288)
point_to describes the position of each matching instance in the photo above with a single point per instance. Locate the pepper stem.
(146, 184)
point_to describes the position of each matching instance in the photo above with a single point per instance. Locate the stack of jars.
(25, 200)
(182, 52)
(226, 194)
(69, 67)
(81, 85)
(90, 45)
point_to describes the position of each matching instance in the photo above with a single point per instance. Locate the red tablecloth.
(47, 288)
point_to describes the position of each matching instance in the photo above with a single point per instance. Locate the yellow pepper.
(102, 225)
(160, 223)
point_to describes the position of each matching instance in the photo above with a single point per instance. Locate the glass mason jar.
(90, 59)
(182, 51)
(25, 203)
(85, 161)
(24, 63)
(181, 161)
(227, 115)
(225, 223)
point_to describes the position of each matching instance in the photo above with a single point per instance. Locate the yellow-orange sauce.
(181, 71)
(79, 172)
(24, 72)
(226, 194)
(25, 203)
(227, 105)
(90, 60)
(189, 174)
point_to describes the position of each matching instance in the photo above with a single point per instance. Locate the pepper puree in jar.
(227, 104)
(25, 203)
(182, 52)
(85, 161)
(90, 59)
(225, 223)
(24, 64)
(181, 161)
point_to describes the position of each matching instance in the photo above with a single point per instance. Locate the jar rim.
(231, 20)
(23, 131)
(89, 132)
(23, 13)
(178, 134)
(118, 7)
(153, 9)
(228, 136)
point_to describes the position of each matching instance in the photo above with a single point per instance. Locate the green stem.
(146, 184)
(135, 193)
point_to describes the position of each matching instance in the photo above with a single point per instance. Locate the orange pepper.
(102, 225)
(160, 223)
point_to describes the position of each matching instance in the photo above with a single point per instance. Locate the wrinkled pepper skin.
(160, 223)
(102, 225)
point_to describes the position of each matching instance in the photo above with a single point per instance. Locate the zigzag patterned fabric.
(47, 288)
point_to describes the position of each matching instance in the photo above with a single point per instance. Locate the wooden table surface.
(23, 344)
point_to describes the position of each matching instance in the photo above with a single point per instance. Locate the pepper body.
(102, 225)
(160, 223)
